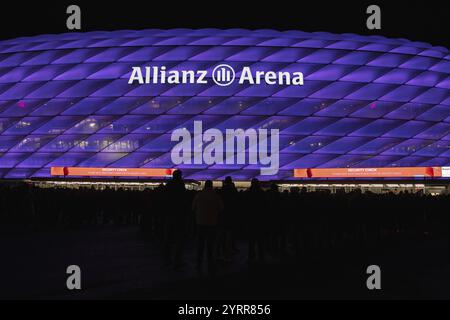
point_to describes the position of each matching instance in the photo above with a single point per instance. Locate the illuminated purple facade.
(65, 100)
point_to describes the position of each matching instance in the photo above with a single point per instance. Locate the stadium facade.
(214, 103)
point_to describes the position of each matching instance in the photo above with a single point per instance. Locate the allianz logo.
(222, 75)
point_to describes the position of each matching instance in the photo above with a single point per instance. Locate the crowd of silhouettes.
(262, 222)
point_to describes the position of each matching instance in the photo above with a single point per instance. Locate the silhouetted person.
(207, 206)
(227, 220)
(256, 221)
(175, 224)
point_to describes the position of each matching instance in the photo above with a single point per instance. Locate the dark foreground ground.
(118, 263)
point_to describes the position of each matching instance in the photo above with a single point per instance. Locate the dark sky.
(415, 20)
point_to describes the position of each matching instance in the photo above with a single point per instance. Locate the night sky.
(415, 20)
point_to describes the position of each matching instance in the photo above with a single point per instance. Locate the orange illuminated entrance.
(391, 172)
(111, 172)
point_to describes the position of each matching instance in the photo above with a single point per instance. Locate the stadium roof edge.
(125, 33)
